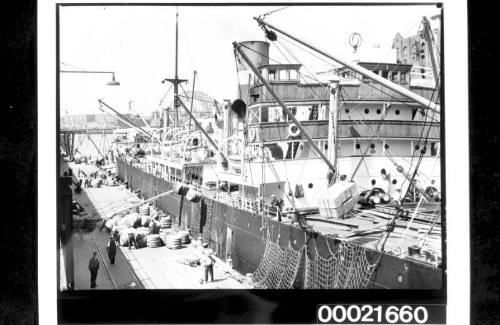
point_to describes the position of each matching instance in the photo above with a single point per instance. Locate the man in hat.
(208, 260)
(94, 268)
(111, 248)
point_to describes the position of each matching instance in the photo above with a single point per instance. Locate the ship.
(331, 184)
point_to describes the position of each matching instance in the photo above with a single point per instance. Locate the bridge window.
(272, 75)
(293, 74)
(283, 74)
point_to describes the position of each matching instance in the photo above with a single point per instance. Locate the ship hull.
(240, 236)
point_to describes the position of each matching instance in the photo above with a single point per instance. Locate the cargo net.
(206, 223)
(279, 267)
(347, 268)
(287, 268)
(194, 228)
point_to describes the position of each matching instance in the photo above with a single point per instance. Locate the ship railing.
(254, 206)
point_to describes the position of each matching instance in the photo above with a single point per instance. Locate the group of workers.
(207, 260)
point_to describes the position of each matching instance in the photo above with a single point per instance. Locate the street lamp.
(113, 81)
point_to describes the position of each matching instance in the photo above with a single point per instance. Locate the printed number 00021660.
(368, 314)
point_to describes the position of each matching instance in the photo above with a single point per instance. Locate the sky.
(138, 44)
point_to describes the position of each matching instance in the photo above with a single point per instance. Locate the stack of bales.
(153, 240)
(173, 241)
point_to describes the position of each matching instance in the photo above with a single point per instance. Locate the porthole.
(374, 182)
(397, 112)
(346, 110)
(326, 146)
(358, 146)
(386, 146)
(310, 185)
(394, 181)
(417, 147)
(379, 111)
(372, 146)
(367, 111)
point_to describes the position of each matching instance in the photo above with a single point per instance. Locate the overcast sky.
(138, 43)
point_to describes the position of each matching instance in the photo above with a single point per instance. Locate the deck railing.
(254, 206)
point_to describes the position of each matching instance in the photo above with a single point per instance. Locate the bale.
(193, 196)
(144, 210)
(145, 220)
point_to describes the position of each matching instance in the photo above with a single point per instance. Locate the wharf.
(148, 268)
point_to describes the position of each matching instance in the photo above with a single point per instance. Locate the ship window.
(358, 146)
(326, 146)
(374, 182)
(385, 74)
(379, 111)
(293, 74)
(347, 111)
(372, 146)
(310, 185)
(367, 111)
(394, 181)
(386, 146)
(264, 114)
(424, 150)
(282, 74)
(272, 75)
(195, 141)
(403, 77)
(417, 147)
(397, 112)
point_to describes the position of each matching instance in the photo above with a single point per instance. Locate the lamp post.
(113, 81)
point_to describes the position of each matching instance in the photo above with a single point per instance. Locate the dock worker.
(208, 261)
(111, 248)
(93, 268)
(132, 241)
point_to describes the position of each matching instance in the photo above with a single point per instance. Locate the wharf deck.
(154, 268)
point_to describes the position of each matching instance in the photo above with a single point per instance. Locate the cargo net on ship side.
(287, 268)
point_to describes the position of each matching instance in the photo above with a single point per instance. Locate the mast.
(365, 72)
(303, 131)
(176, 81)
(176, 84)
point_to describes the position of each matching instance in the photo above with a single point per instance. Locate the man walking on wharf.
(93, 267)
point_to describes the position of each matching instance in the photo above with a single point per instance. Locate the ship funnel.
(258, 53)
